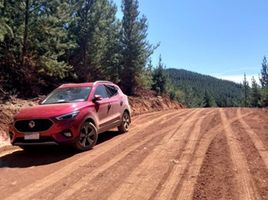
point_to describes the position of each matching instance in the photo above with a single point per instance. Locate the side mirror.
(97, 98)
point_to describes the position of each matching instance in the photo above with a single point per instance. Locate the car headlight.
(68, 116)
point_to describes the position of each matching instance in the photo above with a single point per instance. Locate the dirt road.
(183, 154)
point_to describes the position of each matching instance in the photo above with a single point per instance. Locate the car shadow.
(106, 136)
(43, 155)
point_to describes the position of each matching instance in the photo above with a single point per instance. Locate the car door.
(102, 106)
(114, 99)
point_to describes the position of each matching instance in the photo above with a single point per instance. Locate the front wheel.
(87, 138)
(124, 126)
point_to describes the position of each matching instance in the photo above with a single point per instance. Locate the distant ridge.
(196, 86)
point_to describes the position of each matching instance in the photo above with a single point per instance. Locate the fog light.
(67, 134)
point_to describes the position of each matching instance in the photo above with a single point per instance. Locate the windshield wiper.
(62, 102)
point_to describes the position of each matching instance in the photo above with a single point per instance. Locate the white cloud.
(237, 78)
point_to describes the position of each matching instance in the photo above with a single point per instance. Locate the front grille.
(34, 125)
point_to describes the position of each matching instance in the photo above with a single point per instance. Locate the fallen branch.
(3, 91)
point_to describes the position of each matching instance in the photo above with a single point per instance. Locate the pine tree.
(50, 31)
(246, 91)
(264, 97)
(255, 96)
(135, 47)
(159, 78)
(5, 29)
(36, 51)
(264, 73)
(208, 100)
(97, 32)
(264, 83)
(12, 74)
(147, 76)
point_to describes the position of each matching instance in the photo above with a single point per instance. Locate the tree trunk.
(25, 34)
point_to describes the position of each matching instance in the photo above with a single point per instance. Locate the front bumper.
(35, 143)
(52, 136)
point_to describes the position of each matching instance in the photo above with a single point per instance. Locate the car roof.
(87, 84)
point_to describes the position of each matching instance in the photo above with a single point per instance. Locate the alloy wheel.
(87, 136)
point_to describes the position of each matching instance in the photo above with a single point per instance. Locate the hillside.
(203, 90)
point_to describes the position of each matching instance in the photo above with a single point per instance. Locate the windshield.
(67, 95)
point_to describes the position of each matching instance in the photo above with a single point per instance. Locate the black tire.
(87, 138)
(125, 122)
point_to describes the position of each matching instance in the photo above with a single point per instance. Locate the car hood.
(50, 110)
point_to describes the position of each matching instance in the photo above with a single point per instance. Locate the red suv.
(72, 114)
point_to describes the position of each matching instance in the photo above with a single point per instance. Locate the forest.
(205, 91)
(46, 43)
(197, 90)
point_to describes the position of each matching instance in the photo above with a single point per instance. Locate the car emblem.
(31, 124)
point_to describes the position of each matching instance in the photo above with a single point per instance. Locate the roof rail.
(101, 81)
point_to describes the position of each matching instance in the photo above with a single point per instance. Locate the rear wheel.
(87, 138)
(124, 126)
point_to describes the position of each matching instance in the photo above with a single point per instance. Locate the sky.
(222, 38)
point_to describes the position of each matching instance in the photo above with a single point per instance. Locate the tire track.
(138, 152)
(174, 176)
(75, 177)
(256, 164)
(216, 177)
(142, 182)
(99, 151)
(42, 184)
(146, 116)
(246, 186)
(136, 120)
(84, 181)
(156, 117)
(185, 189)
(66, 194)
(262, 150)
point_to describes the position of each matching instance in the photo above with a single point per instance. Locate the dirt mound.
(145, 104)
(148, 101)
(145, 101)
(7, 111)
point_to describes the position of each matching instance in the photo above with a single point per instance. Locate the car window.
(66, 95)
(100, 90)
(111, 90)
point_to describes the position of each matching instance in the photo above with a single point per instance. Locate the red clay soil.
(216, 178)
(144, 104)
(174, 154)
